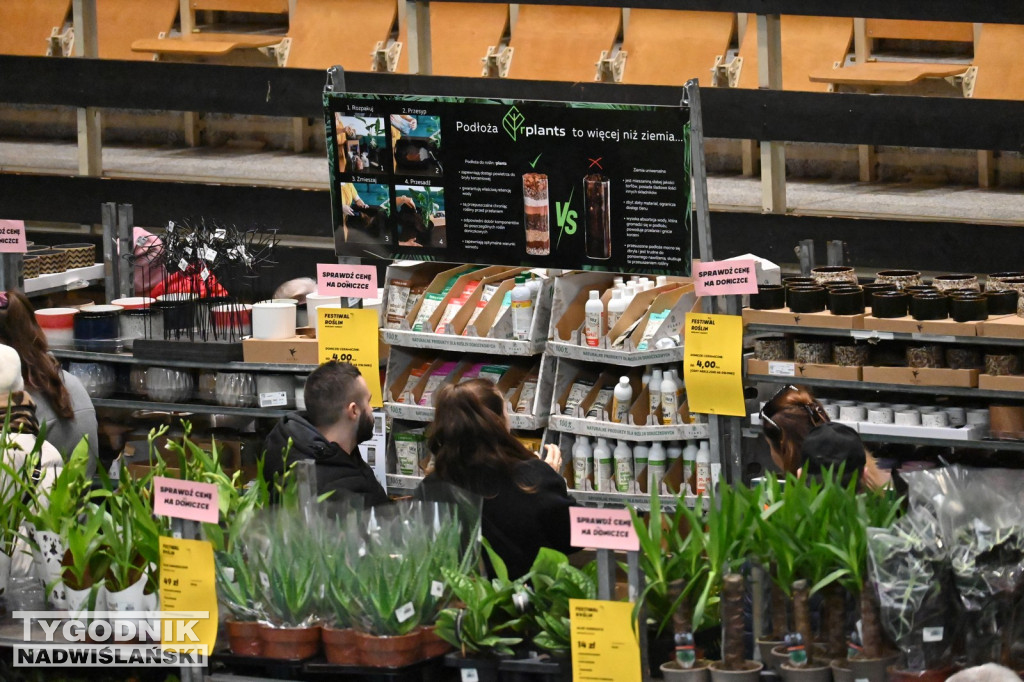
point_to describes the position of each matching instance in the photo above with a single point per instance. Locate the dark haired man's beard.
(364, 430)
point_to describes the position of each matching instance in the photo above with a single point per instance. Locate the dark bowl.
(806, 299)
(798, 281)
(889, 304)
(929, 306)
(968, 308)
(921, 289)
(1002, 302)
(846, 300)
(768, 297)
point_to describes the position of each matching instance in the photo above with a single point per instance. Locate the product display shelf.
(56, 282)
(197, 408)
(574, 351)
(892, 388)
(1014, 446)
(405, 485)
(129, 359)
(464, 344)
(873, 335)
(422, 413)
(630, 432)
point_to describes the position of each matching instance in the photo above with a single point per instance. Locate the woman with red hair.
(802, 437)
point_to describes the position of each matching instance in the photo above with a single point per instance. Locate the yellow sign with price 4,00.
(713, 364)
(351, 335)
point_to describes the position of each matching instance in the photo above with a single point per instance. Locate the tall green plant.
(85, 562)
(554, 582)
(67, 495)
(15, 482)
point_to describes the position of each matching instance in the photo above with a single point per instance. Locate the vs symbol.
(566, 217)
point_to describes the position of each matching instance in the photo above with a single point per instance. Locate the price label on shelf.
(275, 399)
(188, 587)
(469, 675)
(782, 369)
(932, 634)
(604, 642)
(12, 236)
(351, 335)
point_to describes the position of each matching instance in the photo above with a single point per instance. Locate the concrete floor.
(283, 169)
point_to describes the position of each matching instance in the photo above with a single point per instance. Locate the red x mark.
(596, 162)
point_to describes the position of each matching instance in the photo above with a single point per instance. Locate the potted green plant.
(15, 480)
(85, 562)
(727, 537)
(289, 569)
(672, 557)
(848, 542)
(480, 628)
(339, 638)
(47, 513)
(238, 589)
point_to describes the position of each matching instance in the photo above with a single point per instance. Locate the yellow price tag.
(188, 586)
(713, 364)
(604, 642)
(351, 335)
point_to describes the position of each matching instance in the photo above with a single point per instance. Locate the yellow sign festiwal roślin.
(351, 335)
(188, 585)
(604, 644)
(713, 364)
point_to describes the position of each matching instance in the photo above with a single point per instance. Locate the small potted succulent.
(339, 638)
(238, 589)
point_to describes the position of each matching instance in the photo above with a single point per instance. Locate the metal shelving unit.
(872, 335)
(129, 359)
(891, 388)
(197, 408)
(1013, 446)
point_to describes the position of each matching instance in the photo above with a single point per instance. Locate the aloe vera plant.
(289, 569)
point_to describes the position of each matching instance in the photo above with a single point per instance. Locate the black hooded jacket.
(336, 469)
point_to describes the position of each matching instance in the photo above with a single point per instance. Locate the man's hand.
(553, 457)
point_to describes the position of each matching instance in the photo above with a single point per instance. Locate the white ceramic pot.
(58, 324)
(271, 320)
(135, 604)
(78, 601)
(133, 302)
(5, 572)
(47, 560)
(314, 301)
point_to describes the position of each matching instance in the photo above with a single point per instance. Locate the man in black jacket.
(337, 419)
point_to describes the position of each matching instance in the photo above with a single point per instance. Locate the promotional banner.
(604, 641)
(351, 335)
(543, 184)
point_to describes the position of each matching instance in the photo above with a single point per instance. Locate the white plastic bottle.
(628, 292)
(689, 461)
(582, 462)
(617, 283)
(603, 471)
(703, 477)
(622, 398)
(661, 280)
(616, 306)
(641, 453)
(623, 466)
(522, 309)
(654, 394)
(533, 284)
(655, 466)
(669, 397)
(593, 325)
(674, 452)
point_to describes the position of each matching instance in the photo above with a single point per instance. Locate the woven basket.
(51, 261)
(31, 268)
(79, 255)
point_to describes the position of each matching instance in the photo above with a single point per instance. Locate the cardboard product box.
(1007, 327)
(950, 327)
(298, 350)
(784, 316)
(416, 274)
(910, 376)
(1001, 383)
(804, 370)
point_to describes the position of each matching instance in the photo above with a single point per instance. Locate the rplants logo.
(513, 122)
(111, 639)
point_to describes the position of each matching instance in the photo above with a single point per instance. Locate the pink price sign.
(12, 236)
(189, 500)
(602, 529)
(355, 281)
(725, 278)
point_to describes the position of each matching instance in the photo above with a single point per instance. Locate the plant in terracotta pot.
(483, 628)
(338, 636)
(283, 549)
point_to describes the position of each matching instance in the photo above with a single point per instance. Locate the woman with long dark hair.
(62, 403)
(525, 501)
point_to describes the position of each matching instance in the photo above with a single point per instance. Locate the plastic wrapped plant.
(554, 582)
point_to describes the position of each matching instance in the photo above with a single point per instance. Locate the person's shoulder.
(539, 473)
